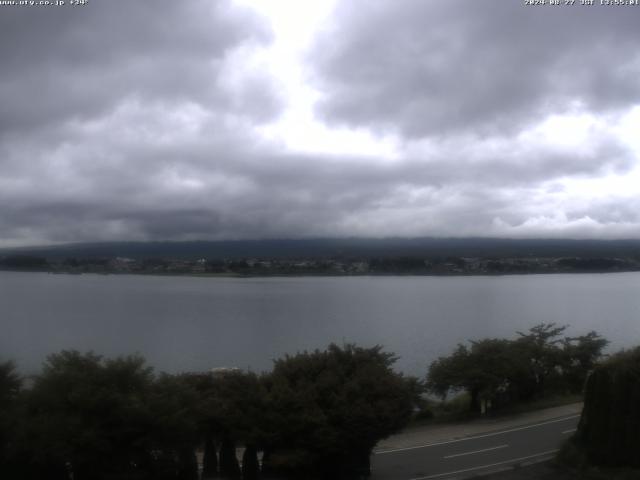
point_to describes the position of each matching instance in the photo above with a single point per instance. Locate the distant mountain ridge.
(340, 248)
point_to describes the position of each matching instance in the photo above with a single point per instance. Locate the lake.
(190, 324)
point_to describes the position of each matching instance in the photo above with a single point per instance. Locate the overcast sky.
(216, 119)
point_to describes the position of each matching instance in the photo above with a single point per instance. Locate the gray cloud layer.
(62, 63)
(138, 122)
(435, 67)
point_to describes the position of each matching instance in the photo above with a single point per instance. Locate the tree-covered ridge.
(317, 248)
(317, 414)
(315, 265)
(498, 372)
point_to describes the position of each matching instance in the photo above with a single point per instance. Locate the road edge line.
(471, 469)
(473, 437)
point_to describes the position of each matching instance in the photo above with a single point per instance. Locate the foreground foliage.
(327, 410)
(499, 372)
(90, 418)
(609, 429)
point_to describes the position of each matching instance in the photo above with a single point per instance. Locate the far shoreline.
(231, 275)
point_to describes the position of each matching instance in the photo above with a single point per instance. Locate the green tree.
(210, 457)
(328, 409)
(239, 403)
(447, 374)
(10, 386)
(250, 464)
(486, 371)
(173, 433)
(544, 358)
(499, 371)
(582, 354)
(609, 428)
(89, 415)
(230, 407)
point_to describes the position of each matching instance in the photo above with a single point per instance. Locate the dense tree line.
(609, 428)
(496, 372)
(23, 262)
(315, 414)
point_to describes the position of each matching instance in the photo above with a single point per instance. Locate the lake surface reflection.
(187, 323)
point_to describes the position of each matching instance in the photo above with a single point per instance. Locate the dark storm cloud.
(221, 187)
(79, 62)
(141, 121)
(99, 104)
(428, 68)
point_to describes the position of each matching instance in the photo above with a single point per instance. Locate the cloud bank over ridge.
(161, 120)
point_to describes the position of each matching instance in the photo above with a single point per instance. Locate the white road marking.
(477, 451)
(513, 460)
(569, 431)
(477, 436)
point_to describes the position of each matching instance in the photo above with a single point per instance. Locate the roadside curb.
(421, 436)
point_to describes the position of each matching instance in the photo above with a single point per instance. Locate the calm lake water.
(186, 323)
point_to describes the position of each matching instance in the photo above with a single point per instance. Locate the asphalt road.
(474, 455)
